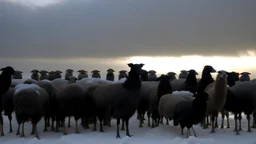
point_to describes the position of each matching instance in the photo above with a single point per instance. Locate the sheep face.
(192, 72)
(136, 68)
(245, 73)
(209, 69)
(151, 72)
(183, 71)
(110, 71)
(7, 70)
(34, 72)
(171, 74)
(122, 71)
(222, 74)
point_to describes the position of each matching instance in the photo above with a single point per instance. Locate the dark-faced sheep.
(69, 72)
(51, 75)
(70, 102)
(217, 92)
(144, 75)
(245, 76)
(186, 84)
(43, 75)
(96, 74)
(82, 74)
(183, 74)
(71, 79)
(35, 75)
(172, 75)
(57, 74)
(206, 78)
(122, 74)
(110, 75)
(152, 75)
(119, 100)
(17, 75)
(5, 82)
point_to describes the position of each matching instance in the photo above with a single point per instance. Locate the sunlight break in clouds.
(165, 64)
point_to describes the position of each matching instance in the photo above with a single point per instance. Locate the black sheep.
(188, 113)
(191, 81)
(206, 78)
(8, 106)
(35, 75)
(5, 83)
(110, 75)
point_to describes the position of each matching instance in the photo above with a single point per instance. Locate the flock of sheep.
(187, 100)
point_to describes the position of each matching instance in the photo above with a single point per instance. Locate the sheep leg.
(10, 123)
(36, 132)
(193, 131)
(45, 124)
(1, 125)
(222, 120)
(149, 123)
(69, 122)
(227, 115)
(236, 129)
(22, 130)
(141, 122)
(33, 130)
(182, 130)
(254, 119)
(117, 128)
(212, 119)
(167, 121)
(248, 119)
(208, 123)
(95, 125)
(86, 123)
(216, 122)
(18, 130)
(127, 128)
(153, 123)
(57, 126)
(122, 128)
(188, 133)
(161, 120)
(77, 130)
(64, 129)
(205, 122)
(240, 124)
(52, 129)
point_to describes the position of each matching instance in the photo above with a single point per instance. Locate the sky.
(97, 34)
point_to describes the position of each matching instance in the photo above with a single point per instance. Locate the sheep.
(35, 75)
(82, 74)
(242, 99)
(16, 82)
(51, 75)
(8, 106)
(96, 74)
(28, 104)
(183, 74)
(43, 75)
(119, 100)
(236, 75)
(187, 113)
(50, 89)
(206, 78)
(144, 75)
(172, 75)
(57, 74)
(110, 75)
(164, 87)
(217, 92)
(70, 101)
(245, 76)
(146, 88)
(69, 72)
(187, 84)
(152, 75)
(168, 102)
(17, 74)
(5, 82)
(122, 74)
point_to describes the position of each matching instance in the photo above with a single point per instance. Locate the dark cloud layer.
(107, 28)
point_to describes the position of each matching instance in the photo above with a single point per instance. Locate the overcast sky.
(107, 28)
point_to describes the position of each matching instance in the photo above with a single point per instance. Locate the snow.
(163, 135)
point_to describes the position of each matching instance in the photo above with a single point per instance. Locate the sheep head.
(7, 70)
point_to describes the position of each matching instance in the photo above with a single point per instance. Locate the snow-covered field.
(161, 135)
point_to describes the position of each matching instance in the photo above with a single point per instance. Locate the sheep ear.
(249, 73)
(130, 64)
(141, 65)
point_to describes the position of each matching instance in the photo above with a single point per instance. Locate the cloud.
(114, 28)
